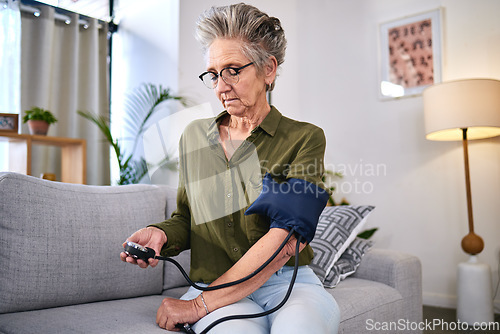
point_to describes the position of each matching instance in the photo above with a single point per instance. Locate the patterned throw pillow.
(338, 226)
(348, 263)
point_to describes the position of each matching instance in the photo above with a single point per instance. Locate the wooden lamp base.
(472, 244)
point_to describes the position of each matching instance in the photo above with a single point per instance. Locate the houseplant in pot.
(38, 120)
(140, 106)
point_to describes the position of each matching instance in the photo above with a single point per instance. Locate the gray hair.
(262, 35)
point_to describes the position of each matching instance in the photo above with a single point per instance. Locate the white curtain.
(10, 50)
(10, 65)
(64, 69)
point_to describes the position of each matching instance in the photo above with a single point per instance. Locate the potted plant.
(327, 178)
(140, 106)
(38, 120)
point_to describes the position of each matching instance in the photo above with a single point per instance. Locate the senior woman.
(222, 163)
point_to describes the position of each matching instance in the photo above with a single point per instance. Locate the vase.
(38, 127)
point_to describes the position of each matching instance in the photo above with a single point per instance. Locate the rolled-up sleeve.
(308, 163)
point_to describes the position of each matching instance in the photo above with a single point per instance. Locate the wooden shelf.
(73, 154)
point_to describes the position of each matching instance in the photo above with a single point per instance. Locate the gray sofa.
(60, 270)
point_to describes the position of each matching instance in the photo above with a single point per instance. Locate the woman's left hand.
(176, 311)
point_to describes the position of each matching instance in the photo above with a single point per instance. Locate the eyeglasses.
(230, 75)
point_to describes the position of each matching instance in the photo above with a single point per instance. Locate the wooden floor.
(449, 318)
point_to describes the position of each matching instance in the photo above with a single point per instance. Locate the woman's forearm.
(253, 258)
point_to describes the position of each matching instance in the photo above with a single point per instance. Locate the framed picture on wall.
(410, 54)
(9, 123)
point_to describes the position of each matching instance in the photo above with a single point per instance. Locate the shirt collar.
(269, 124)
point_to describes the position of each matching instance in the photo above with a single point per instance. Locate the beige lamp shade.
(452, 106)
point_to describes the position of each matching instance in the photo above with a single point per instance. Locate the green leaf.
(140, 106)
(103, 125)
(39, 114)
(134, 172)
(367, 234)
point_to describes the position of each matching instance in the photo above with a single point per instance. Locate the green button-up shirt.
(214, 193)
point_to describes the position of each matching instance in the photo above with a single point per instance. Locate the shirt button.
(235, 249)
(228, 195)
(229, 224)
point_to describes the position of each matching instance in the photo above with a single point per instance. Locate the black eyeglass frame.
(237, 70)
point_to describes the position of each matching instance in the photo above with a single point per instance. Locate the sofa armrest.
(387, 266)
(398, 270)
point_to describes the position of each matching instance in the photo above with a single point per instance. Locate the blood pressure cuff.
(295, 203)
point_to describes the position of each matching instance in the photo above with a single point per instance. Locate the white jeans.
(310, 309)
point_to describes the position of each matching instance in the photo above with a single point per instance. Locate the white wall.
(330, 78)
(191, 62)
(145, 50)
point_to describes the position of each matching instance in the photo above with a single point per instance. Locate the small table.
(73, 155)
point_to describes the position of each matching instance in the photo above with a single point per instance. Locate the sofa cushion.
(133, 315)
(356, 296)
(176, 292)
(60, 243)
(172, 277)
(347, 263)
(337, 228)
(361, 301)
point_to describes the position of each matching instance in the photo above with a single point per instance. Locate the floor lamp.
(466, 110)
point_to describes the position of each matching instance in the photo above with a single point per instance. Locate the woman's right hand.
(151, 237)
